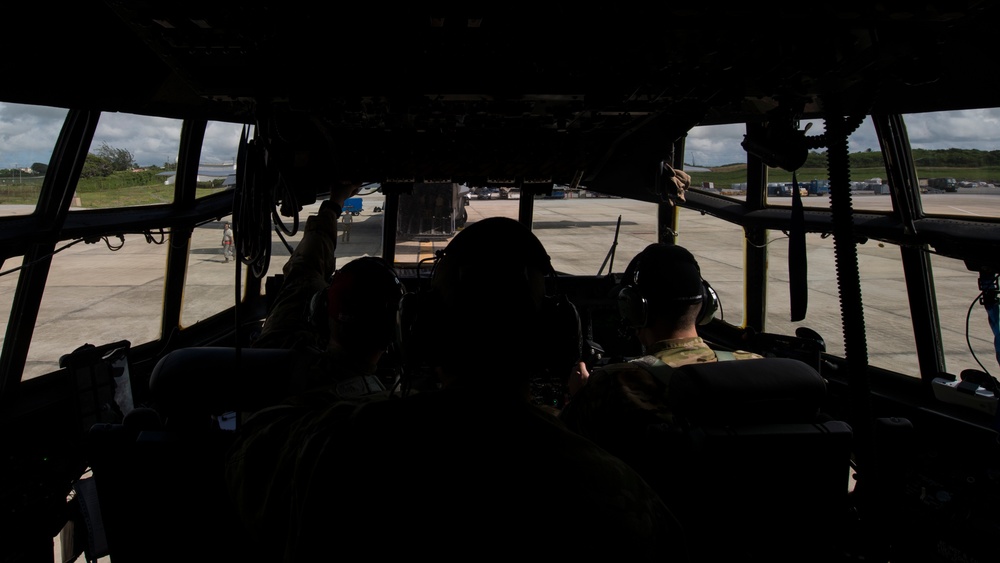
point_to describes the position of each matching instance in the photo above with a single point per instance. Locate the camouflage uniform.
(461, 473)
(624, 397)
(620, 402)
(307, 271)
(470, 471)
(276, 443)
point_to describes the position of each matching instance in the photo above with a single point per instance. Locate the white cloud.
(221, 143)
(155, 140)
(28, 133)
(968, 129)
(715, 145)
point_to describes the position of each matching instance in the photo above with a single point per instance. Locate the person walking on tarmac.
(227, 242)
(347, 219)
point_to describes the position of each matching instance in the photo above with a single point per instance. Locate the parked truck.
(946, 184)
(354, 206)
(817, 187)
(785, 190)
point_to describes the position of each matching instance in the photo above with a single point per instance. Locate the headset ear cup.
(363, 298)
(419, 326)
(564, 326)
(632, 307)
(408, 311)
(318, 316)
(709, 303)
(391, 324)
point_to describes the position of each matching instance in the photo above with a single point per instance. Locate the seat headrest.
(758, 391)
(217, 380)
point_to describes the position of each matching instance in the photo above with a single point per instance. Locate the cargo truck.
(946, 184)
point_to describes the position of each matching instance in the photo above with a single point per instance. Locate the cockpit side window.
(967, 331)
(28, 135)
(131, 161)
(208, 286)
(85, 300)
(888, 323)
(955, 152)
(217, 164)
(718, 246)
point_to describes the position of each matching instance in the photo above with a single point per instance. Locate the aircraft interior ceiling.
(580, 72)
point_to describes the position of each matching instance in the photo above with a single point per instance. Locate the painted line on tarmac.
(426, 251)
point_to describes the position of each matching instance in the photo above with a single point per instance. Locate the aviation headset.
(549, 336)
(363, 295)
(664, 275)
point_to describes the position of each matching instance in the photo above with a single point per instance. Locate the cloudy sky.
(972, 129)
(28, 133)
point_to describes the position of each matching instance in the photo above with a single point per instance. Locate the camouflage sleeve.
(622, 505)
(745, 355)
(616, 406)
(585, 412)
(307, 271)
(315, 254)
(272, 458)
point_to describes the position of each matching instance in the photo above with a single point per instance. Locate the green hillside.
(962, 164)
(724, 177)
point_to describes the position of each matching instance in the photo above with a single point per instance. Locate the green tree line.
(106, 161)
(110, 178)
(922, 158)
(37, 169)
(962, 164)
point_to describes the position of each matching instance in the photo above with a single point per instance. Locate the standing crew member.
(348, 219)
(227, 242)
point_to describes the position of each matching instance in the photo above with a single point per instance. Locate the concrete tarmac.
(578, 233)
(97, 296)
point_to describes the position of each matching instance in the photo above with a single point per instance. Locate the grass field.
(121, 189)
(724, 177)
(100, 193)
